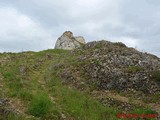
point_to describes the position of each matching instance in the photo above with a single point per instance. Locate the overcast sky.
(36, 24)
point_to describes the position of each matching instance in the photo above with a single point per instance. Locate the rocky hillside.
(95, 81)
(114, 66)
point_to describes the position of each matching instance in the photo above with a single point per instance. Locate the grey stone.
(68, 42)
(80, 39)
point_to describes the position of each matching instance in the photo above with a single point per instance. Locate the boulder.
(69, 34)
(80, 39)
(68, 42)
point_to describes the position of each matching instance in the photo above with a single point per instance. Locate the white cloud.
(20, 32)
(129, 41)
(132, 22)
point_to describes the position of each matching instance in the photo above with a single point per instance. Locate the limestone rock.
(80, 39)
(68, 42)
(68, 34)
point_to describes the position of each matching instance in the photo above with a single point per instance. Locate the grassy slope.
(36, 91)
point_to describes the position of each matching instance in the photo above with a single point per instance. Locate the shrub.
(156, 75)
(134, 69)
(98, 46)
(120, 44)
(40, 105)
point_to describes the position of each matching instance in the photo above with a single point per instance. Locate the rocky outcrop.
(80, 39)
(68, 42)
(113, 66)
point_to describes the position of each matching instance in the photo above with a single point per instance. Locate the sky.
(35, 25)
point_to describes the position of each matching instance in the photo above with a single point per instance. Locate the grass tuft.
(40, 105)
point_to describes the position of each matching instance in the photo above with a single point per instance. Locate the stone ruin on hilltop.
(68, 42)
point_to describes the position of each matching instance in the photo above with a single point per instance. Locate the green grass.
(139, 114)
(76, 104)
(25, 95)
(144, 111)
(12, 116)
(42, 92)
(40, 105)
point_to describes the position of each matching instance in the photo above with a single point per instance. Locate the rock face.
(68, 42)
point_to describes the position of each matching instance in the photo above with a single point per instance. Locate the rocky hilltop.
(78, 80)
(115, 66)
(106, 66)
(68, 42)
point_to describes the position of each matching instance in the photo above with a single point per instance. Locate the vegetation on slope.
(51, 85)
(34, 91)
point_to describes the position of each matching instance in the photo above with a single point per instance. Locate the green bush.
(134, 69)
(40, 105)
(120, 44)
(156, 75)
(98, 46)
